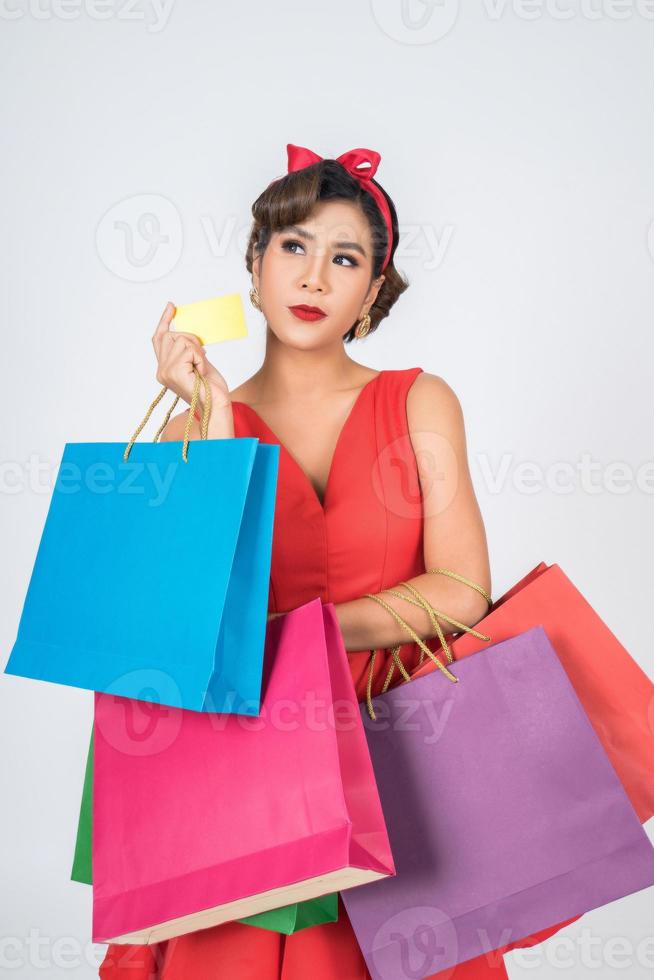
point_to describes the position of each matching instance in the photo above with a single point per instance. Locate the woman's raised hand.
(177, 354)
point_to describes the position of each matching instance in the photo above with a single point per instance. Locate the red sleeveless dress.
(367, 535)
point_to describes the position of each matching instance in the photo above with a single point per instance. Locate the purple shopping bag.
(504, 813)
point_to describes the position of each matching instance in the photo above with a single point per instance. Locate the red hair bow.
(362, 164)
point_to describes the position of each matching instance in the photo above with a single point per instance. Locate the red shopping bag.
(616, 694)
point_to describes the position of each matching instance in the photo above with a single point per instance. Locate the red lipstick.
(307, 312)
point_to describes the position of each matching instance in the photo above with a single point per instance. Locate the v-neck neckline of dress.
(322, 504)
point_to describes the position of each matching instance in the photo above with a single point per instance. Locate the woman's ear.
(256, 271)
(375, 286)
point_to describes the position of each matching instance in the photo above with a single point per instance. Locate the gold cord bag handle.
(433, 613)
(421, 601)
(466, 581)
(412, 633)
(204, 425)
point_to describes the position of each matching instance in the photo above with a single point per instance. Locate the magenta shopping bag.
(203, 818)
(504, 813)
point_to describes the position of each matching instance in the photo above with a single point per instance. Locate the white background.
(517, 144)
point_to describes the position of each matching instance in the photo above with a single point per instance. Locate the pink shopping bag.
(203, 818)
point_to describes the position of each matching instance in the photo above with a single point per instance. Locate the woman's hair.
(292, 198)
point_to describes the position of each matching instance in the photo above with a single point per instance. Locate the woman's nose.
(315, 273)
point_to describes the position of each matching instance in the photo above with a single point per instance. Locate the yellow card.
(212, 320)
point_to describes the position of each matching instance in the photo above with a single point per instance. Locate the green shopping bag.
(287, 920)
(292, 918)
(82, 862)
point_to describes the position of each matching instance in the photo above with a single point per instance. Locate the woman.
(373, 488)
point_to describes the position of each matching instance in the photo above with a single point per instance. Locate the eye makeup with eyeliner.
(286, 242)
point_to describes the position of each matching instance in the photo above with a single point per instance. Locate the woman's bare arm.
(454, 533)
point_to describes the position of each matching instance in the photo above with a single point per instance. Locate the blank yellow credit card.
(212, 320)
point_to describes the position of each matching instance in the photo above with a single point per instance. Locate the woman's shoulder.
(431, 398)
(426, 384)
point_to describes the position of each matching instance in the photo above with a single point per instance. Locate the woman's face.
(325, 261)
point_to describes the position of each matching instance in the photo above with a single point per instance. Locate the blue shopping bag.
(152, 575)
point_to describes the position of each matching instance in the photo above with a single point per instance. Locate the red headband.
(354, 162)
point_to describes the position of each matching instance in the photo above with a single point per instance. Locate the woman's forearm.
(221, 422)
(221, 415)
(367, 625)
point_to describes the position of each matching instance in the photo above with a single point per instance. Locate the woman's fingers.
(190, 336)
(166, 347)
(163, 327)
(164, 337)
(186, 352)
(164, 323)
(179, 354)
(173, 344)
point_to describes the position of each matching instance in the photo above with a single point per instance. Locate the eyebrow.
(303, 233)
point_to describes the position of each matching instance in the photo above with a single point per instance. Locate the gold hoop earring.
(363, 326)
(255, 299)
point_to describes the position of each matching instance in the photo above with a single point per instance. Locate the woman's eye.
(288, 245)
(290, 242)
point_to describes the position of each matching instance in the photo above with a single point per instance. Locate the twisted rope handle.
(397, 662)
(204, 425)
(466, 581)
(412, 633)
(422, 602)
(433, 613)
